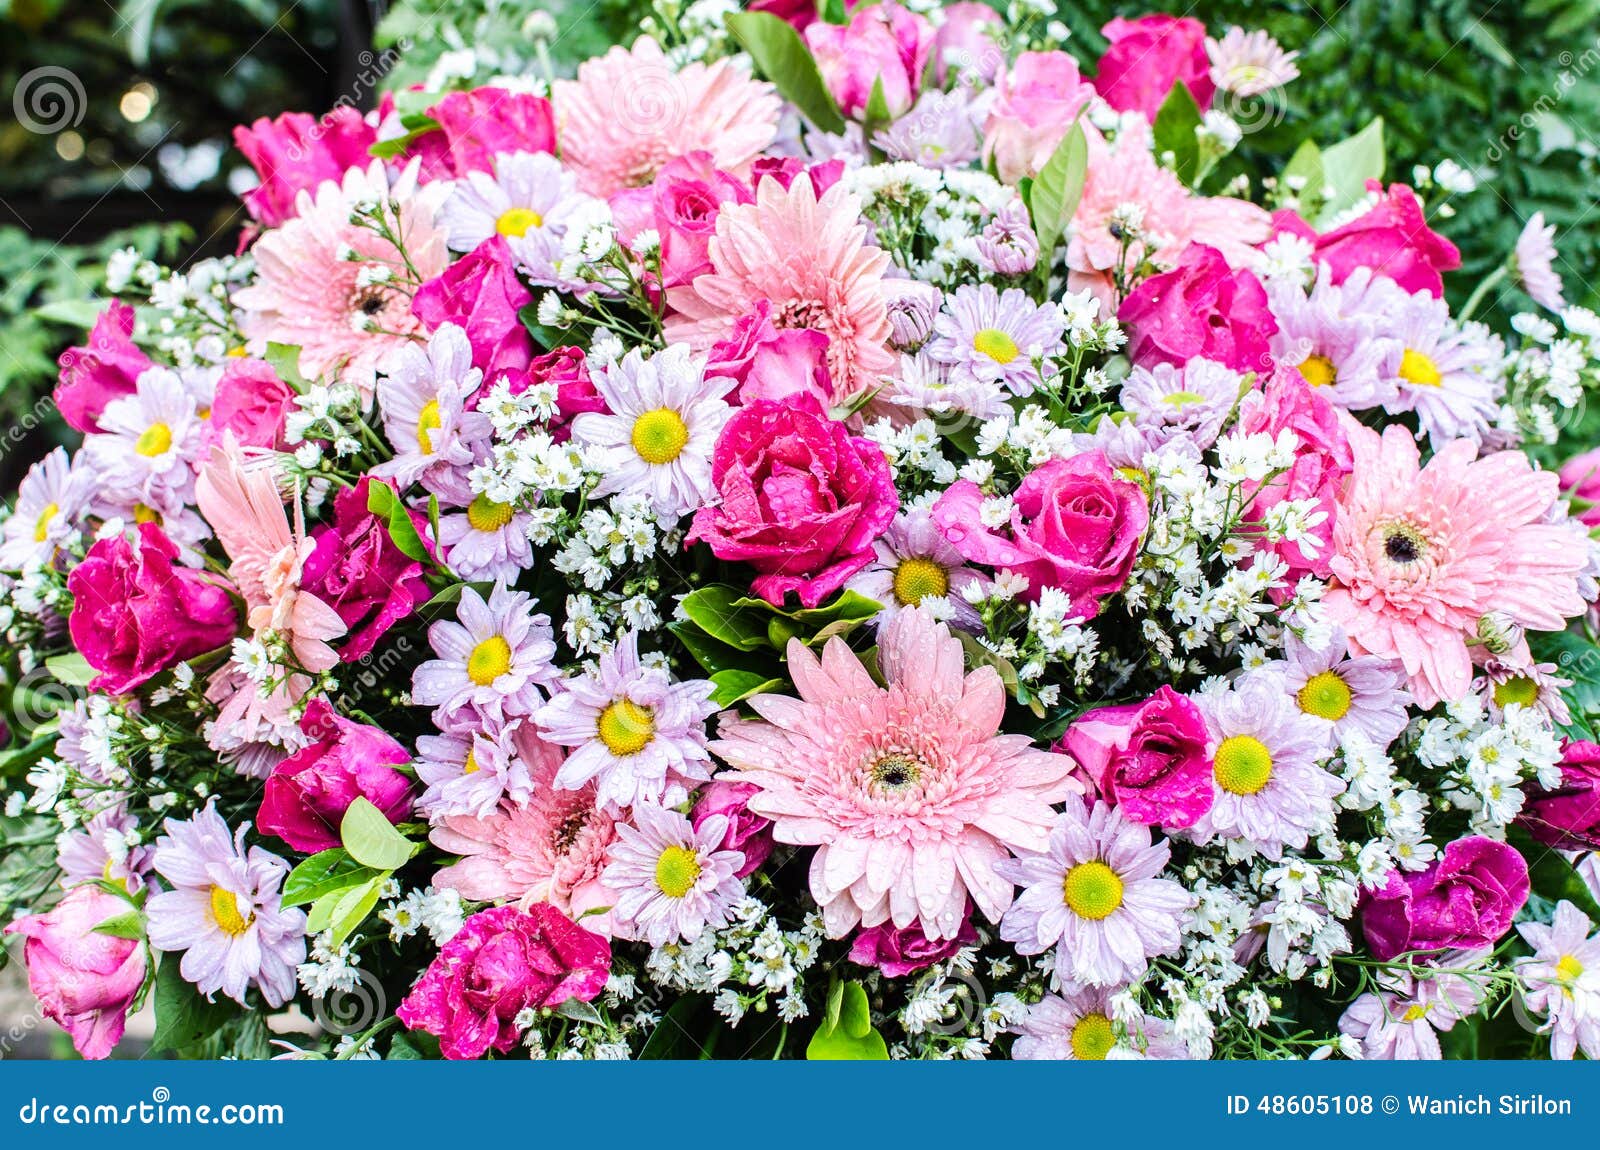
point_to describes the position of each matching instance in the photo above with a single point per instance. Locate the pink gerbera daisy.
(1420, 554)
(629, 112)
(810, 258)
(345, 313)
(908, 792)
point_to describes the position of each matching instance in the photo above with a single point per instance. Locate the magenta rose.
(772, 363)
(135, 612)
(1148, 758)
(504, 961)
(251, 403)
(686, 198)
(899, 951)
(801, 500)
(1567, 816)
(1075, 525)
(358, 571)
(475, 126)
(883, 43)
(1037, 102)
(784, 169)
(296, 152)
(1200, 309)
(1322, 461)
(482, 294)
(308, 793)
(1392, 238)
(800, 13)
(1147, 57)
(1580, 479)
(1466, 900)
(107, 368)
(84, 981)
(747, 832)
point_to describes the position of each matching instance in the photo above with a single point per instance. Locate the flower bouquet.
(828, 534)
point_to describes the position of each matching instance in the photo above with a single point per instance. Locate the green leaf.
(184, 1018)
(414, 1046)
(1174, 131)
(1054, 194)
(675, 1036)
(80, 313)
(285, 360)
(580, 1012)
(325, 871)
(1578, 660)
(846, 1033)
(386, 505)
(452, 594)
(722, 612)
(353, 907)
(398, 146)
(1551, 876)
(1306, 165)
(71, 670)
(1348, 165)
(715, 656)
(372, 839)
(782, 57)
(129, 924)
(734, 685)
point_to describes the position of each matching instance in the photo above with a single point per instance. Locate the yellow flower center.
(1182, 399)
(489, 660)
(1092, 890)
(659, 436)
(517, 221)
(429, 420)
(470, 767)
(995, 344)
(1243, 765)
(156, 440)
(1568, 969)
(41, 525)
(1326, 696)
(626, 728)
(225, 909)
(238, 351)
(916, 579)
(1092, 1038)
(676, 871)
(486, 515)
(144, 513)
(1518, 689)
(1416, 1012)
(1318, 371)
(1418, 369)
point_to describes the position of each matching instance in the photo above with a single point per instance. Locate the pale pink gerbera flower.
(811, 259)
(672, 880)
(345, 314)
(1562, 980)
(1096, 896)
(909, 793)
(1532, 263)
(1420, 554)
(629, 112)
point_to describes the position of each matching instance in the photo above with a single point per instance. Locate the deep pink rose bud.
(296, 152)
(482, 294)
(1148, 758)
(308, 793)
(475, 126)
(899, 951)
(85, 982)
(1392, 238)
(135, 612)
(252, 404)
(1466, 900)
(1036, 103)
(773, 363)
(747, 832)
(1201, 309)
(801, 500)
(1147, 57)
(504, 961)
(1580, 479)
(1075, 525)
(686, 198)
(107, 368)
(883, 43)
(1567, 816)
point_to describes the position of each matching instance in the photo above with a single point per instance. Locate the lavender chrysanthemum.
(672, 881)
(1194, 398)
(996, 337)
(492, 660)
(1364, 693)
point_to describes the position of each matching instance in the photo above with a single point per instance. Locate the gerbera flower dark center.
(567, 833)
(1402, 545)
(895, 773)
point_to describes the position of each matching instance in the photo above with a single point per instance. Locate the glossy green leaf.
(386, 505)
(1053, 195)
(325, 871)
(1348, 165)
(372, 840)
(734, 685)
(846, 1033)
(782, 57)
(1174, 131)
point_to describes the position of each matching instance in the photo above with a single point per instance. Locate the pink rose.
(686, 198)
(475, 126)
(308, 793)
(784, 169)
(1148, 758)
(800, 13)
(1075, 525)
(747, 832)
(1393, 239)
(1466, 900)
(899, 951)
(135, 612)
(108, 368)
(297, 152)
(1147, 57)
(251, 403)
(1035, 104)
(801, 500)
(1201, 309)
(358, 571)
(770, 363)
(482, 294)
(1322, 461)
(1580, 479)
(1567, 817)
(966, 41)
(85, 982)
(883, 43)
(504, 961)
